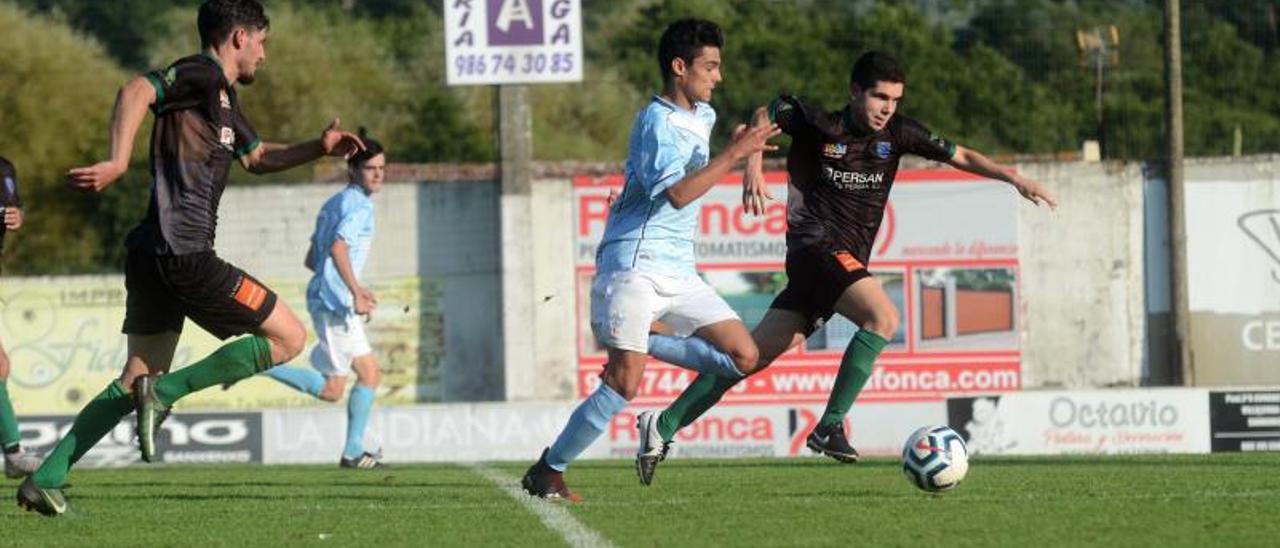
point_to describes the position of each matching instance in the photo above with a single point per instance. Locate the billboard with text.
(946, 255)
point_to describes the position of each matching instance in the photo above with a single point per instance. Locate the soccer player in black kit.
(841, 167)
(17, 463)
(171, 270)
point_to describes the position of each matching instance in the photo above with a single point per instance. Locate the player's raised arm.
(755, 193)
(975, 162)
(273, 157)
(746, 142)
(126, 117)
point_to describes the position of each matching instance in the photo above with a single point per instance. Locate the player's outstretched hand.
(13, 218)
(748, 141)
(96, 177)
(755, 193)
(1035, 193)
(340, 143)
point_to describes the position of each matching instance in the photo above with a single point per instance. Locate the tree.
(55, 117)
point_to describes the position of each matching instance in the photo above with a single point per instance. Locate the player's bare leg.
(731, 338)
(17, 463)
(148, 354)
(867, 305)
(779, 331)
(278, 339)
(620, 384)
(359, 405)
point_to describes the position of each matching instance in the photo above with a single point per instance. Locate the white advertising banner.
(519, 431)
(513, 41)
(1233, 279)
(1090, 422)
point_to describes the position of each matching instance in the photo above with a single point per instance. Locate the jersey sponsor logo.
(223, 99)
(250, 294)
(883, 149)
(227, 137)
(852, 180)
(847, 261)
(834, 150)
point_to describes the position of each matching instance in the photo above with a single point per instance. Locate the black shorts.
(163, 289)
(816, 277)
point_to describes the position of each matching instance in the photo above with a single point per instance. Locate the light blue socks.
(358, 406)
(586, 424)
(693, 353)
(304, 380)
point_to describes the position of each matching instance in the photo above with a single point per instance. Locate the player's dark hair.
(685, 39)
(876, 66)
(371, 148)
(218, 18)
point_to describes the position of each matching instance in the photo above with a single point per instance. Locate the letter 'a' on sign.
(513, 41)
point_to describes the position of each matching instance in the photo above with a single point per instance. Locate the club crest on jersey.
(223, 99)
(834, 150)
(227, 137)
(883, 149)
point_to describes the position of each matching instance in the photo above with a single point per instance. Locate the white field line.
(553, 516)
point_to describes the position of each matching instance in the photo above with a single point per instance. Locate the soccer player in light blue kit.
(645, 269)
(337, 301)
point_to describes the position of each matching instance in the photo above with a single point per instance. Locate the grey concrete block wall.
(1082, 298)
(1082, 308)
(447, 234)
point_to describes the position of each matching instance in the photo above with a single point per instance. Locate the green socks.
(236, 360)
(700, 396)
(855, 369)
(94, 421)
(8, 421)
(706, 390)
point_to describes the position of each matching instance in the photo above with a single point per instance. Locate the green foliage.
(55, 118)
(1003, 76)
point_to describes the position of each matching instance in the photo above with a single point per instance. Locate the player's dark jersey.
(841, 175)
(199, 131)
(8, 192)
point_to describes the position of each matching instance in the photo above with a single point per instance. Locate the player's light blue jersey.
(347, 215)
(644, 231)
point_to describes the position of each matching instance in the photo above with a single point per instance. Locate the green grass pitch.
(1206, 500)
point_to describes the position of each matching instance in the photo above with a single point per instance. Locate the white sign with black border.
(512, 41)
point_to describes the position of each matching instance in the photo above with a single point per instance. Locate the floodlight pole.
(1177, 194)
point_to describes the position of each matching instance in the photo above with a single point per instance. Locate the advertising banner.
(1245, 421)
(946, 255)
(207, 438)
(1103, 422)
(519, 431)
(513, 41)
(1233, 280)
(64, 344)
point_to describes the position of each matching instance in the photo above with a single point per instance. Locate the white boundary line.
(553, 516)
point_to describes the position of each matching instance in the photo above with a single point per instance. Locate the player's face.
(253, 51)
(876, 105)
(701, 76)
(371, 174)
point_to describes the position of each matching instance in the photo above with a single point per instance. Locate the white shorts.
(625, 303)
(339, 340)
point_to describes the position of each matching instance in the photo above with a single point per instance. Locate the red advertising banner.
(946, 255)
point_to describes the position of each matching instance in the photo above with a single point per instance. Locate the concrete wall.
(1082, 277)
(1082, 295)
(447, 235)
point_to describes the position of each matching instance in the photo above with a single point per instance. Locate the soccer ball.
(935, 458)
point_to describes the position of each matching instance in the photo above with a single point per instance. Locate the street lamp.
(1100, 47)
